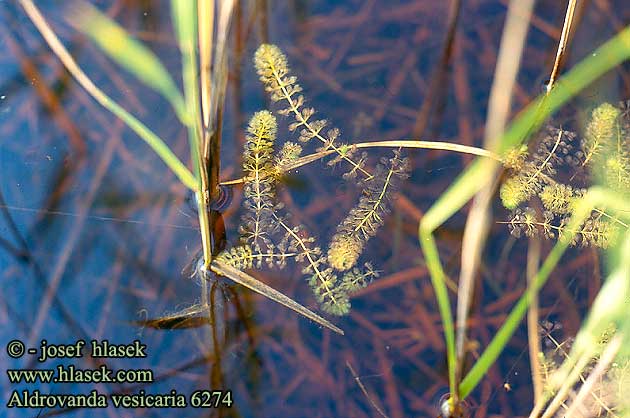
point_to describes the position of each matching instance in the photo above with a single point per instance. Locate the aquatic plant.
(201, 116)
(366, 217)
(277, 238)
(273, 69)
(600, 131)
(595, 231)
(603, 148)
(259, 191)
(479, 176)
(528, 177)
(267, 232)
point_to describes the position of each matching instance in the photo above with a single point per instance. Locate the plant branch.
(404, 143)
(257, 286)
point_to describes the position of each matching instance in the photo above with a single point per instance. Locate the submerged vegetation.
(602, 156)
(267, 232)
(576, 191)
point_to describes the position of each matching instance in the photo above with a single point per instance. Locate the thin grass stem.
(154, 141)
(595, 196)
(533, 338)
(404, 143)
(438, 145)
(213, 126)
(562, 44)
(364, 390)
(128, 52)
(205, 14)
(185, 22)
(261, 288)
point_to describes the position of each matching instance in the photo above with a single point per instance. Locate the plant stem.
(438, 280)
(185, 19)
(533, 339)
(562, 45)
(206, 34)
(479, 216)
(154, 141)
(395, 143)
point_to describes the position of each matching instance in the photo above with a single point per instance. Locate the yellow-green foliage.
(515, 158)
(267, 233)
(559, 198)
(527, 178)
(239, 257)
(607, 148)
(600, 131)
(597, 230)
(366, 217)
(259, 190)
(604, 149)
(273, 70)
(289, 153)
(617, 170)
(344, 251)
(513, 192)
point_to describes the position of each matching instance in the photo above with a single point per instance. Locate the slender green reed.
(470, 182)
(130, 54)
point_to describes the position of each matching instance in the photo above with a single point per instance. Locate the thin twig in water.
(479, 217)
(259, 287)
(440, 72)
(533, 338)
(404, 143)
(364, 390)
(562, 45)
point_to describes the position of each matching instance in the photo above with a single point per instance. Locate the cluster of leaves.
(260, 190)
(273, 70)
(608, 395)
(267, 233)
(366, 217)
(532, 180)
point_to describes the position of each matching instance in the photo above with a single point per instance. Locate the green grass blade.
(184, 16)
(476, 176)
(128, 53)
(596, 196)
(438, 280)
(154, 141)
